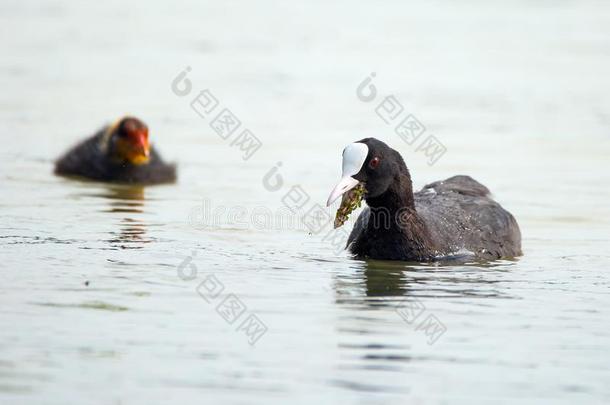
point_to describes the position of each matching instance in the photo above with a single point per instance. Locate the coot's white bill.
(345, 185)
(354, 156)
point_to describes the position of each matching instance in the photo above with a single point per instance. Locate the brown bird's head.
(128, 141)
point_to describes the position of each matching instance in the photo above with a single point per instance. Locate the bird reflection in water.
(385, 279)
(375, 283)
(127, 200)
(378, 283)
(390, 307)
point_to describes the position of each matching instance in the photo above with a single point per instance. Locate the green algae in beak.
(349, 202)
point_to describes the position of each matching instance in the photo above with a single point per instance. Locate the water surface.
(96, 307)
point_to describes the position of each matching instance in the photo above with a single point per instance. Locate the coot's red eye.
(374, 162)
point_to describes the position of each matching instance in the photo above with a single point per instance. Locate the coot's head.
(129, 141)
(371, 163)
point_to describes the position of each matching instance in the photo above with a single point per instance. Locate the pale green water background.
(517, 91)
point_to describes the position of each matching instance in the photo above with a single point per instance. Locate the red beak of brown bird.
(131, 143)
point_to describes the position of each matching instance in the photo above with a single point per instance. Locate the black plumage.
(442, 219)
(97, 158)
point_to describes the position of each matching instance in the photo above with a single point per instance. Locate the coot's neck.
(398, 196)
(394, 226)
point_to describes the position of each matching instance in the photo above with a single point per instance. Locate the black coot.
(442, 219)
(118, 153)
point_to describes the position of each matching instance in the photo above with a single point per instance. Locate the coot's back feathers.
(461, 215)
(460, 184)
